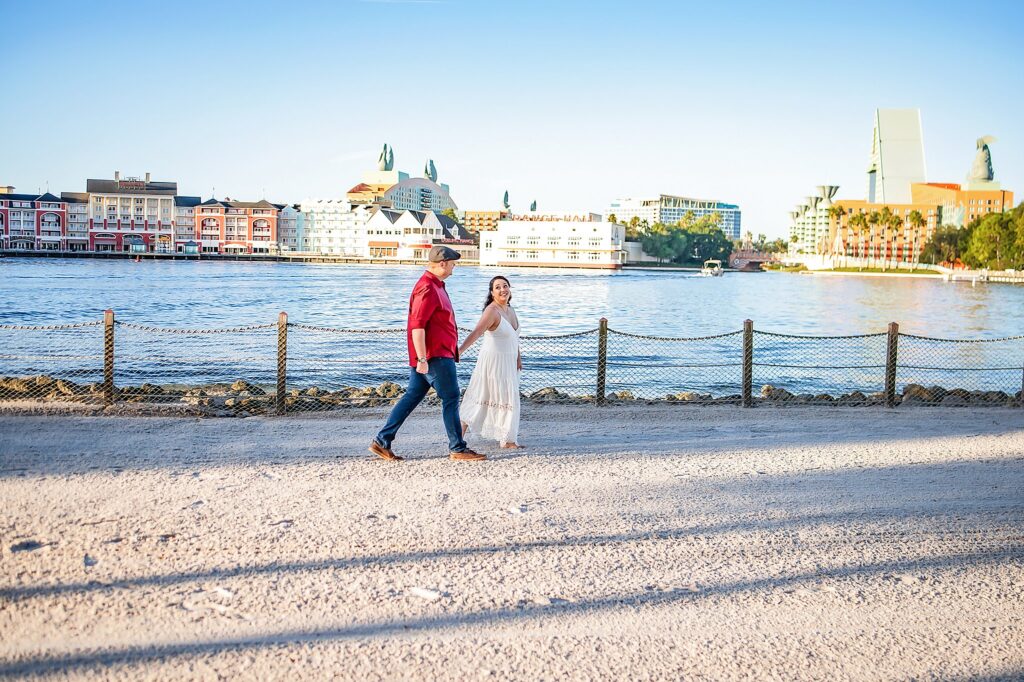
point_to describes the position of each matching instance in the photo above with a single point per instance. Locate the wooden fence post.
(282, 361)
(602, 360)
(748, 363)
(108, 358)
(890, 364)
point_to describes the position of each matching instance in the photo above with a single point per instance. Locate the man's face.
(447, 266)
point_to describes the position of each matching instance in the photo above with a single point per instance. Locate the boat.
(712, 268)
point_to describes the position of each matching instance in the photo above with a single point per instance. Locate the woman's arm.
(519, 360)
(488, 320)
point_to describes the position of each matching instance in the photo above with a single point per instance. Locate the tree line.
(994, 241)
(690, 241)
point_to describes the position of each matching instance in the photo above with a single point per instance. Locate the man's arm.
(419, 344)
(424, 303)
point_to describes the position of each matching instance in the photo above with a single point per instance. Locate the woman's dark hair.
(490, 287)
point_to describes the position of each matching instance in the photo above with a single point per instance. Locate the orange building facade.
(483, 221)
(236, 226)
(900, 241)
(939, 204)
(960, 206)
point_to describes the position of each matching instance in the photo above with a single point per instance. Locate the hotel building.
(76, 234)
(287, 227)
(811, 228)
(32, 221)
(236, 226)
(483, 221)
(333, 227)
(880, 242)
(550, 241)
(185, 238)
(131, 214)
(897, 156)
(389, 188)
(959, 205)
(408, 235)
(669, 209)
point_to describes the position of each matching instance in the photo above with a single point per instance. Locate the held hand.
(422, 367)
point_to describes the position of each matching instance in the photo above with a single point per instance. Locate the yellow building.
(483, 221)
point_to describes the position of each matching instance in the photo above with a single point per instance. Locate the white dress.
(490, 405)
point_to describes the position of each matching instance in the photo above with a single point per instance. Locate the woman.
(490, 407)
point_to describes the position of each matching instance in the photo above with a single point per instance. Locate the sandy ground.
(627, 543)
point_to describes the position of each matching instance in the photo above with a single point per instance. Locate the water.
(207, 294)
(219, 294)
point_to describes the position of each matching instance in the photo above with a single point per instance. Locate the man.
(433, 342)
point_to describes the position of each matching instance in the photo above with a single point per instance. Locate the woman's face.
(501, 291)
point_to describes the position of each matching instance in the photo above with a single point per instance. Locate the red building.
(236, 226)
(33, 221)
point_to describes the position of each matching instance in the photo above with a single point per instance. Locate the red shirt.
(430, 309)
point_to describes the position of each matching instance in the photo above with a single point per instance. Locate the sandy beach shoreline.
(655, 543)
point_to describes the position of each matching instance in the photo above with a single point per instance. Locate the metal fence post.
(748, 363)
(282, 361)
(890, 365)
(108, 358)
(602, 360)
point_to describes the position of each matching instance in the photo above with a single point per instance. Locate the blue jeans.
(441, 375)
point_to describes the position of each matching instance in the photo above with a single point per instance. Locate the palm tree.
(896, 223)
(836, 212)
(916, 221)
(873, 218)
(859, 223)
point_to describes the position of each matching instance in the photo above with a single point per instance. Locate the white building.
(287, 228)
(548, 241)
(811, 226)
(333, 227)
(131, 214)
(77, 233)
(420, 194)
(897, 156)
(185, 238)
(670, 209)
(409, 235)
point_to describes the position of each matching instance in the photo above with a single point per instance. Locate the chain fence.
(283, 367)
(61, 363)
(702, 369)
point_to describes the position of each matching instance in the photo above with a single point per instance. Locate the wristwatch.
(421, 359)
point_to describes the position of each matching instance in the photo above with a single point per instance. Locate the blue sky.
(569, 103)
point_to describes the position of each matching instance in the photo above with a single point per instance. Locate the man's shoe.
(467, 455)
(383, 452)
